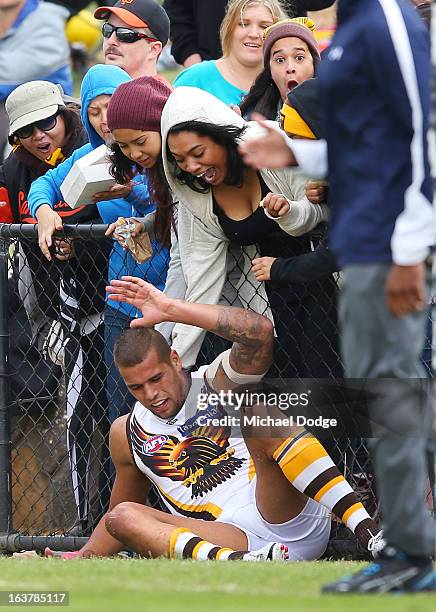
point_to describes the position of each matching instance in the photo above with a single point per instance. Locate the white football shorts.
(306, 535)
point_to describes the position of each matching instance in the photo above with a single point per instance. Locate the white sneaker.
(376, 544)
(270, 552)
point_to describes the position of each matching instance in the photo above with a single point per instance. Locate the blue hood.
(100, 79)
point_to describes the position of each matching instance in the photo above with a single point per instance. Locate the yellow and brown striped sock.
(309, 468)
(186, 545)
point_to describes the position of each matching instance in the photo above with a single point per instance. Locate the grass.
(124, 585)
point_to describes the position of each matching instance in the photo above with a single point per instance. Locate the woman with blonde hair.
(230, 77)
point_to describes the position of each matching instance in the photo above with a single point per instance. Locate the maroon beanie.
(300, 27)
(138, 105)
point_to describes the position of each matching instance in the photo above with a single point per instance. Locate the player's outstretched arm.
(251, 333)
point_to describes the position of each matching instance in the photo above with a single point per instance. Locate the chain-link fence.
(60, 390)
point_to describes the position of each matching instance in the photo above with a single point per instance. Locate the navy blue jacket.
(375, 87)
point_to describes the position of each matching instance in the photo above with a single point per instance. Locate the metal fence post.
(5, 424)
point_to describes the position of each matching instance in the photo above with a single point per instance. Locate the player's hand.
(153, 304)
(262, 268)
(139, 228)
(48, 223)
(316, 191)
(405, 289)
(116, 191)
(276, 204)
(269, 151)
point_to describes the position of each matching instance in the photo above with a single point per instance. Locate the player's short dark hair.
(134, 345)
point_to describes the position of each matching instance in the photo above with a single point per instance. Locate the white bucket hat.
(32, 102)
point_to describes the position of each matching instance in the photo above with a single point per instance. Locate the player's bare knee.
(119, 518)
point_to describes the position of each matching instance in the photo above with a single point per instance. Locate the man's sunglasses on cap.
(125, 35)
(45, 125)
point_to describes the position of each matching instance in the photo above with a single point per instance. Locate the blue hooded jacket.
(100, 80)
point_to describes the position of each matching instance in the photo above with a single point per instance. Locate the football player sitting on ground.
(225, 495)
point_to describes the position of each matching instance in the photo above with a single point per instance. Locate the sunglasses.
(125, 35)
(45, 125)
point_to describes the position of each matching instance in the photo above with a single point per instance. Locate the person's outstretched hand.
(153, 304)
(48, 223)
(268, 151)
(64, 248)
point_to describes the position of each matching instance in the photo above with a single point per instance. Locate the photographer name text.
(265, 421)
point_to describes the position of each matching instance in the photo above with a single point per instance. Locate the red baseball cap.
(139, 14)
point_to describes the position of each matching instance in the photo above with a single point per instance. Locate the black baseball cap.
(139, 14)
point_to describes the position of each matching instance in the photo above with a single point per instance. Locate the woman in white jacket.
(220, 214)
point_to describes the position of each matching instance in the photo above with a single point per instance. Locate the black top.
(250, 230)
(259, 229)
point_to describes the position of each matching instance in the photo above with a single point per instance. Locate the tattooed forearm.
(252, 335)
(241, 325)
